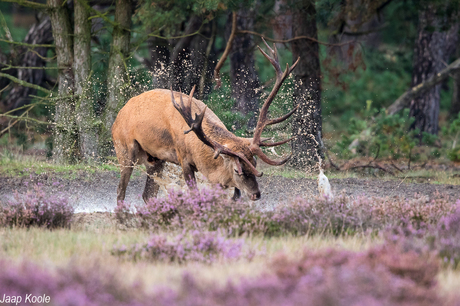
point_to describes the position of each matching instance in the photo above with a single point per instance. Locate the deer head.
(236, 151)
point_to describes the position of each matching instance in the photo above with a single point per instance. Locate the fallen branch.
(404, 100)
(227, 50)
(372, 167)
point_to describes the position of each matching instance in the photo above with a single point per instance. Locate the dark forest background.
(376, 78)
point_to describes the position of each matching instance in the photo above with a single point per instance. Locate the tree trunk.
(243, 74)
(429, 56)
(198, 59)
(282, 21)
(455, 106)
(181, 62)
(307, 90)
(159, 62)
(117, 74)
(85, 117)
(405, 99)
(65, 136)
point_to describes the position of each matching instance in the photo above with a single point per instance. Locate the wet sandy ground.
(97, 192)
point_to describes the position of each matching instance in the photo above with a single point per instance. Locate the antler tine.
(191, 95)
(282, 118)
(274, 52)
(181, 108)
(274, 144)
(263, 120)
(262, 156)
(268, 47)
(194, 124)
(294, 65)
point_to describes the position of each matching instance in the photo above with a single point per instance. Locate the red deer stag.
(153, 128)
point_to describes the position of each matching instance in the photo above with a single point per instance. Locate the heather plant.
(418, 210)
(388, 274)
(210, 210)
(200, 246)
(319, 216)
(125, 214)
(442, 238)
(36, 208)
(72, 286)
(346, 215)
(447, 238)
(384, 275)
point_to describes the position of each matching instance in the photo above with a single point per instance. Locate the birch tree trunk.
(306, 125)
(65, 134)
(85, 117)
(117, 74)
(39, 33)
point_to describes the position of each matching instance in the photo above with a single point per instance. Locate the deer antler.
(196, 126)
(263, 120)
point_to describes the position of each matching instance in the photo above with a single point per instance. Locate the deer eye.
(236, 171)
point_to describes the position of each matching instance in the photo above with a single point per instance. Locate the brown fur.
(149, 130)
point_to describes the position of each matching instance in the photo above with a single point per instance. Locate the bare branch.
(24, 83)
(5, 27)
(27, 45)
(294, 38)
(25, 67)
(34, 5)
(227, 50)
(22, 107)
(19, 118)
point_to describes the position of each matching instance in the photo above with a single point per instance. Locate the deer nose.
(255, 196)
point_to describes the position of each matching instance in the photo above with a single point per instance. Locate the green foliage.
(221, 103)
(453, 132)
(382, 135)
(386, 76)
(168, 15)
(18, 33)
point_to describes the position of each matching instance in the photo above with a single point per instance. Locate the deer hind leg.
(153, 166)
(127, 157)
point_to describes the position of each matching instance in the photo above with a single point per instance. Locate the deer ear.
(246, 141)
(225, 157)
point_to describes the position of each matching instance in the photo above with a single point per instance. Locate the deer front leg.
(236, 194)
(189, 175)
